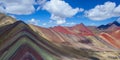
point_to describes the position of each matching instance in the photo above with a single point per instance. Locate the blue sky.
(62, 12)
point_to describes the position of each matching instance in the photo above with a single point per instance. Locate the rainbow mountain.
(21, 41)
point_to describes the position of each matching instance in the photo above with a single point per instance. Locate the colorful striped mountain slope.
(21, 41)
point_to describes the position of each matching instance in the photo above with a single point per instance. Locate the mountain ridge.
(108, 25)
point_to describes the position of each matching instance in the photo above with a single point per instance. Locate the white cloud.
(19, 7)
(44, 24)
(60, 10)
(92, 24)
(40, 3)
(2, 9)
(102, 12)
(12, 16)
(60, 21)
(81, 10)
(33, 21)
(71, 23)
(118, 19)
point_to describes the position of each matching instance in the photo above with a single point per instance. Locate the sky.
(49, 13)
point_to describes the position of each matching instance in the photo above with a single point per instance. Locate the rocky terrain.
(21, 41)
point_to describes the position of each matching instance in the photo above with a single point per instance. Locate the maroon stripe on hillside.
(20, 53)
(26, 30)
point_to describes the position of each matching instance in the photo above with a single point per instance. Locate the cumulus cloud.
(70, 23)
(60, 10)
(59, 20)
(92, 24)
(105, 11)
(33, 21)
(40, 3)
(2, 10)
(44, 24)
(81, 10)
(118, 19)
(13, 16)
(18, 7)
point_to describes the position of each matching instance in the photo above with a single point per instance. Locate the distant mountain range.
(21, 41)
(115, 23)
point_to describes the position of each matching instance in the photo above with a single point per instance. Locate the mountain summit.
(5, 20)
(109, 25)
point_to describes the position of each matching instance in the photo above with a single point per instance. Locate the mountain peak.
(116, 23)
(81, 24)
(5, 20)
(109, 25)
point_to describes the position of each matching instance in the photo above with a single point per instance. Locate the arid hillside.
(22, 41)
